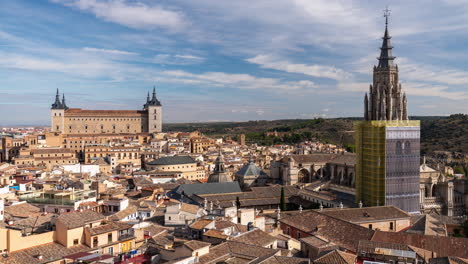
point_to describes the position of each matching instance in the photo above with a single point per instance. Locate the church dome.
(250, 170)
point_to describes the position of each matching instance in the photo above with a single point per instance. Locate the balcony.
(126, 235)
(56, 197)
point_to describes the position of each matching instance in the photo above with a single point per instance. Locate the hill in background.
(437, 132)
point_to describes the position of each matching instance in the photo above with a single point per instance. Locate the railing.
(126, 236)
(49, 201)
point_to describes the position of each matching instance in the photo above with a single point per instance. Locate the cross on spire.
(387, 13)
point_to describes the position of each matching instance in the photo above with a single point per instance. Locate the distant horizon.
(241, 121)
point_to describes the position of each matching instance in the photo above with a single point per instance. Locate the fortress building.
(67, 120)
(388, 147)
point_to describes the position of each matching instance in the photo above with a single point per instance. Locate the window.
(109, 238)
(75, 242)
(407, 147)
(370, 226)
(111, 250)
(398, 149)
(95, 241)
(298, 235)
(391, 225)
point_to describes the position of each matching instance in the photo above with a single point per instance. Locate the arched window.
(407, 147)
(398, 149)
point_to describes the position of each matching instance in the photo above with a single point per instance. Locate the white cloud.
(188, 57)
(260, 112)
(109, 51)
(240, 81)
(131, 14)
(321, 71)
(424, 89)
(177, 59)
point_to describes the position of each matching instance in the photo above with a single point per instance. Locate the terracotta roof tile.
(76, 219)
(336, 257)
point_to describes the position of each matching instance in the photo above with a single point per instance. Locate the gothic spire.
(386, 58)
(57, 104)
(64, 105)
(154, 93)
(147, 98)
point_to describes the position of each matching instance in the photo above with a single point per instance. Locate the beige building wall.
(16, 241)
(78, 121)
(388, 225)
(189, 171)
(66, 237)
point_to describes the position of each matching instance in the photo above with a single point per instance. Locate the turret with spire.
(153, 101)
(385, 100)
(59, 104)
(64, 105)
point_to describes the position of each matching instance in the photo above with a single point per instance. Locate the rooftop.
(77, 219)
(366, 214)
(176, 160)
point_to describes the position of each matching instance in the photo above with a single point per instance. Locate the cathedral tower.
(387, 165)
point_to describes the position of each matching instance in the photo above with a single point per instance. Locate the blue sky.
(227, 60)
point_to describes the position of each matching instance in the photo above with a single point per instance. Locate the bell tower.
(387, 142)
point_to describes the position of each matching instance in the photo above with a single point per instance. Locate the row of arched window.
(403, 148)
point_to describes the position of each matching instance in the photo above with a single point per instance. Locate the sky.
(224, 60)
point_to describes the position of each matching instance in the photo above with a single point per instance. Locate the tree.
(458, 170)
(282, 200)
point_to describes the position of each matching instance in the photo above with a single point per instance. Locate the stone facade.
(303, 169)
(67, 120)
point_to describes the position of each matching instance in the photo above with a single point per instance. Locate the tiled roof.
(427, 225)
(176, 160)
(194, 244)
(230, 249)
(215, 233)
(366, 214)
(340, 232)
(441, 245)
(22, 210)
(255, 237)
(131, 209)
(76, 219)
(208, 188)
(51, 150)
(336, 257)
(284, 260)
(448, 260)
(80, 112)
(200, 224)
(257, 195)
(109, 227)
(50, 252)
(190, 208)
(223, 224)
(316, 241)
